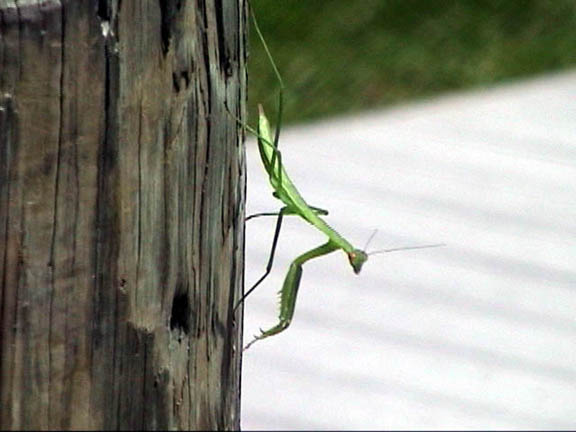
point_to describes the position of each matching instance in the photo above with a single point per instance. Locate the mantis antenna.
(370, 238)
(405, 248)
(395, 249)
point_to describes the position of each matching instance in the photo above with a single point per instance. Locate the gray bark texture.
(122, 185)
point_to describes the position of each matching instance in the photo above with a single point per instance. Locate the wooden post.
(122, 184)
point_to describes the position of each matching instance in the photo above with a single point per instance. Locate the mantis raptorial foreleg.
(289, 290)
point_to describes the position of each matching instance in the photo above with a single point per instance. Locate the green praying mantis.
(294, 205)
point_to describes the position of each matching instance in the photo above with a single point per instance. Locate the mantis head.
(357, 258)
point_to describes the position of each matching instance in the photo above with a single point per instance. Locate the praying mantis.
(294, 205)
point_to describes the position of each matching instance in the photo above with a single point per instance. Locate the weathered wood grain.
(122, 186)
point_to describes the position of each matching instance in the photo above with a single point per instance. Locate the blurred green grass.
(341, 56)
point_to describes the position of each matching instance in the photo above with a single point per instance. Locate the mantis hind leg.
(289, 290)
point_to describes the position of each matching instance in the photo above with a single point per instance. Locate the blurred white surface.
(480, 334)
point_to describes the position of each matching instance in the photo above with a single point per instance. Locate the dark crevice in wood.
(104, 10)
(140, 210)
(180, 316)
(168, 11)
(221, 37)
(55, 212)
(144, 395)
(180, 81)
(7, 127)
